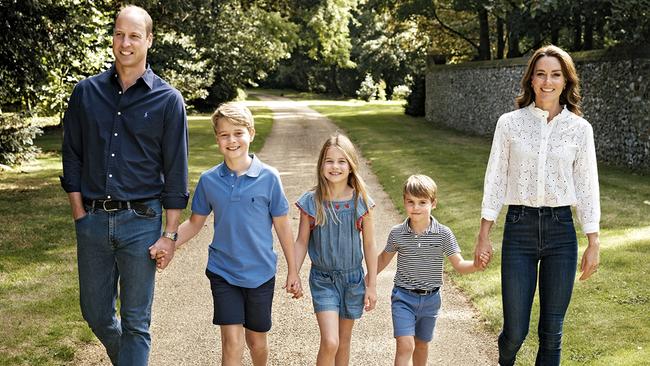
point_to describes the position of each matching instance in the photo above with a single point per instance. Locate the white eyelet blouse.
(538, 163)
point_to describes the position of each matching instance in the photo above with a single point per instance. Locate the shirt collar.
(540, 113)
(147, 77)
(253, 170)
(434, 226)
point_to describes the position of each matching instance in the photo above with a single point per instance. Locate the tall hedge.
(17, 139)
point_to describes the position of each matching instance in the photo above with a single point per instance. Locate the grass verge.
(607, 321)
(41, 321)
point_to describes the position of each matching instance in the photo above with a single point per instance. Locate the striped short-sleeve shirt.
(420, 256)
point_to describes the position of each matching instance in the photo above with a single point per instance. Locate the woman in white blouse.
(542, 161)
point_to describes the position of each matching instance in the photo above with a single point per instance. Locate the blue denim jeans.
(112, 248)
(539, 244)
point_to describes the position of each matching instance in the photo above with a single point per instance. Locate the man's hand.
(163, 252)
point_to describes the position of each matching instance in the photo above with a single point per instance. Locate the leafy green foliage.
(17, 139)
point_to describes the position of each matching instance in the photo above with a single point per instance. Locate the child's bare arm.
(461, 265)
(370, 253)
(302, 240)
(283, 230)
(189, 228)
(186, 231)
(384, 259)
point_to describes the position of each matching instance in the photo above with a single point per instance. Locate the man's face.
(130, 40)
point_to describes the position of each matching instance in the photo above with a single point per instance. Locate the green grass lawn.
(607, 322)
(41, 322)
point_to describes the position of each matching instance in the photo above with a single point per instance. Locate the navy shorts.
(250, 307)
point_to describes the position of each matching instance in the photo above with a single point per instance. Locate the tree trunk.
(484, 43)
(501, 43)
(335, 80)
(577, 30)
(589, 33)
(555, 34)
(512, 22)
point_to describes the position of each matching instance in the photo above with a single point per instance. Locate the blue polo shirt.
(242, 248)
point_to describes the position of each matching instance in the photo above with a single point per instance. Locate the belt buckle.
(106, 209)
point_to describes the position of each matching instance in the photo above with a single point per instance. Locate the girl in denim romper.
(336, 230)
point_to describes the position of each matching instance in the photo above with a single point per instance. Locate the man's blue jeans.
(112, 248)
(536, 241)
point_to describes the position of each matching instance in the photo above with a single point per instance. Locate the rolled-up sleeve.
(175, 194)
(72, 146)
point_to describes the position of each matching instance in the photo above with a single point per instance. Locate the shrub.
(367, 90)
(17, 139)
(400, 92)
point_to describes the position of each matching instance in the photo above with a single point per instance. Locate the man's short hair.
(235, 113)
(420, 186)
(148, 23)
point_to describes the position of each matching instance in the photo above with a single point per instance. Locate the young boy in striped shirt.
(422, 243)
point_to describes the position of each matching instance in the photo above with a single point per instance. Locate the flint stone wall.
(616, 99)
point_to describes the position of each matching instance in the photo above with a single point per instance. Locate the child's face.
(233, 140)
(336, 168)
(418, 208)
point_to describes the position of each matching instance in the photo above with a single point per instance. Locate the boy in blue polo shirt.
(247, 199)
(421, 244)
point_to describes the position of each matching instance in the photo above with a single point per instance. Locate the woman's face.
(548, 81)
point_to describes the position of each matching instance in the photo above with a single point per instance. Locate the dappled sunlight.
(618, 238)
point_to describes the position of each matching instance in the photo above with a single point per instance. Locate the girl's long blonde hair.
(321, 190)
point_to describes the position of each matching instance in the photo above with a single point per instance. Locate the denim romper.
(335, 250)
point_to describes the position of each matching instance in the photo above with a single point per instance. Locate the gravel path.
(182, 328)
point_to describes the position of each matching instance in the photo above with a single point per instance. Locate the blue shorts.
(413, 314)
(250, 307)
(341, 291)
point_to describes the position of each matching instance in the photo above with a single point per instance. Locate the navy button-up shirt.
(129, 145)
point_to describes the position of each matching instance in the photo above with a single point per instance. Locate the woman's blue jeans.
(538, 243)
(112, 249)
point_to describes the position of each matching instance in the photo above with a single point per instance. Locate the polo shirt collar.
(253, 170)
(147, 77)
(434, 226)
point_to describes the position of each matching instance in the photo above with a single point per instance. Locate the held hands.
(370, 298)
(484, 260)
(293, 286)
(482, 252)
(163, 252)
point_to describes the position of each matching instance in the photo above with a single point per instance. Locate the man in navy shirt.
(124, 160)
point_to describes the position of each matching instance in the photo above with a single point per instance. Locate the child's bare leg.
(328, 323)
(232, 344)
(345, 336)
(405, 347)
(258, 347)
(421, 353)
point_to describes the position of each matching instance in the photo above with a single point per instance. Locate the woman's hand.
(591, 257)
(483, 250)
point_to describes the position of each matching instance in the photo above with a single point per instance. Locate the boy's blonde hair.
(420, 186)
(235, 113)
(322, 192)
